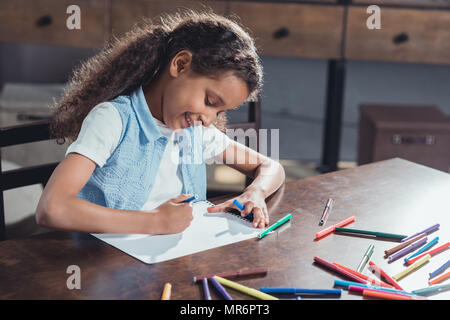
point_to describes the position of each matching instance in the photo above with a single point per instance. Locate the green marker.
(372, 233)
(366, 258)
(275, 225)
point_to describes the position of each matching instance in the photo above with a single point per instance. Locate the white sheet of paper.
(207, 231)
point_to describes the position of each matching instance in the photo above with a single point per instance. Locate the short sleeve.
(99, 135)
(214, 142)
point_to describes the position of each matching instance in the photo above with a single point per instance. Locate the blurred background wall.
(293, 96)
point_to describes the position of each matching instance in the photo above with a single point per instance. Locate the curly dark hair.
(218, 44)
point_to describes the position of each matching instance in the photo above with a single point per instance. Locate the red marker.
(383, 274)
(330, 229)
(339, 270)
(431, 253)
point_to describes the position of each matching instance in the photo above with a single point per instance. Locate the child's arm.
(59, 207)
(268, 177)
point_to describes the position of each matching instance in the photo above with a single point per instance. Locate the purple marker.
(409, 248)
(206, 289)
(220, 288)
(427, 231)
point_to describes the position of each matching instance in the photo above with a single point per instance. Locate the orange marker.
(386, 295)
(440, 278)
(330, 229)
(430, 252)
(166, 292)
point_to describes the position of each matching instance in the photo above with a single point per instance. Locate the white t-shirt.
(100, 134)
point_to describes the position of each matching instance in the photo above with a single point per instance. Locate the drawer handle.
(401, 38)
(426, 140)
(283, 32)
(44, 21)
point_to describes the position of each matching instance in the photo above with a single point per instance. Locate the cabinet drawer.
(45, 22)
(406, 35)
(421, 3)
(292, 30)
(126, 13)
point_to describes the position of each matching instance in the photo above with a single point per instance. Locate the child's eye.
(207, 102)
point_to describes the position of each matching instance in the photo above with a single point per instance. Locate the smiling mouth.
(188, 120)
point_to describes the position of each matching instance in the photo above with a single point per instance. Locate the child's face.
(190, 99)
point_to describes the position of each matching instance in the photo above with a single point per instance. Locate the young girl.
(132, 114)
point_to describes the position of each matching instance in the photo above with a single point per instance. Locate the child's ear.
(180, 63)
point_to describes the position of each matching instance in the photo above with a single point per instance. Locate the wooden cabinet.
(419, 3)
(292, 30)
(406, 35)
(283, 29)
(125, 13)
(44, 22)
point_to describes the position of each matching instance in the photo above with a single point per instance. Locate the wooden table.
(394, 196)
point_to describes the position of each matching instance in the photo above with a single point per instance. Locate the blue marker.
(440, 269)
(241, 206)
(423, 249)
(300, 291)
(194, 197)
(238, 204)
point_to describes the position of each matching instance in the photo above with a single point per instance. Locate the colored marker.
(346, 284)
(330, 229)
(361, 290)
(370, 280)
(339, 270)
(408, 249)
(403, 244)
(427, 231)
(440, 269)
(326, 212)
(235, 274)
(241, 206)
(239, 287)
(365, 258)
(300, 291)
(430, 252)
(206, 292)
(220, 288)
(432, 289)
(423, 249)
(371, 233)
(412, 268)
(387, 295)
(275, 225)
(166, 291)
(384, 275)
(440, 278)
(194, 197)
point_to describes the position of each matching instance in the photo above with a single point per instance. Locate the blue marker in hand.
(241, 206)
(194, 197)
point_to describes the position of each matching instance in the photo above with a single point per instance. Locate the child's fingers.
(220, 207)
(248, 207)
(180, 198)
(259, 219)
(266, 217)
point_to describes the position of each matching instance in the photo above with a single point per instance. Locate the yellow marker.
(166, 292)
(413, 267)
(250, 291)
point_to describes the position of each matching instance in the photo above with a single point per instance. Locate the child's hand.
(174, 215)
(254, 202)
